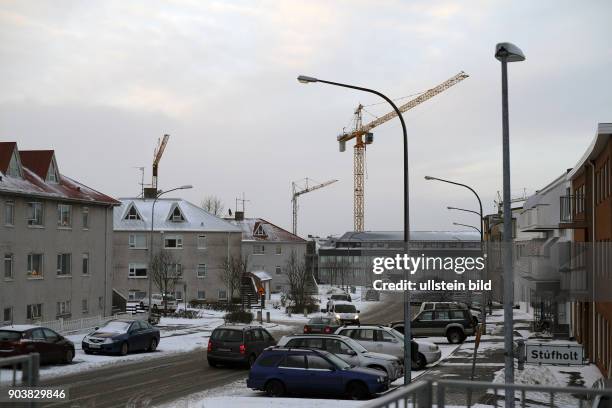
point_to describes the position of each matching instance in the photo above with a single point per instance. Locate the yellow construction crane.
(297, 189)
(364, 137)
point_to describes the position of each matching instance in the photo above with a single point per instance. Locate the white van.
(346, 312)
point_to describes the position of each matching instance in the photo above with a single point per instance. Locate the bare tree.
(231, 273)
(299, 278)
(213, 205)
(166, 273)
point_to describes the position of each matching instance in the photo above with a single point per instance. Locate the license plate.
(224, 349)
(94, 345)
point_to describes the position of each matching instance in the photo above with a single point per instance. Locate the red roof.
(6, 152)
(35, 165)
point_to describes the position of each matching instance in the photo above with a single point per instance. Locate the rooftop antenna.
(142, 169)
(243, 200)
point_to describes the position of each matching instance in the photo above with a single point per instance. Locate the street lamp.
(467, 225)
(507, 52)
(463, 209)
(150, 272)
(407, 359)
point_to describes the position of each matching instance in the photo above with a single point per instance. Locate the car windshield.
(397, 334)
(9, 335)
(227, 335)
(345, 309)
(339, 297)
(115, 327)
(356, 346)
(315, 320)
(338, 362)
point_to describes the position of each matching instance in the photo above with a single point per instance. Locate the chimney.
(150, 192)
(239, 215)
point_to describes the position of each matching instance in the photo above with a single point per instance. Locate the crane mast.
(159, 151)
(298, 190)
(364, 137)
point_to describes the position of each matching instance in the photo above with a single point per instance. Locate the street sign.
(554, 354)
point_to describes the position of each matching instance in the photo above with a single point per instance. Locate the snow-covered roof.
(196, 218)
(19, 327)
(262, 275)
(414, 236)
(258, 229)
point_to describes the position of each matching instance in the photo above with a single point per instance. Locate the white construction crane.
(302, 187)
(159, 151)
(363, 137)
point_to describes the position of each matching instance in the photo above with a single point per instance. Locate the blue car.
(279, 371)
(121, 337)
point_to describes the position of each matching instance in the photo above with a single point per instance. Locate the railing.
(66, 326)
(420, 394)
(570, 206)
(29, 366)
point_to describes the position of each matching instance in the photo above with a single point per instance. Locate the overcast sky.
(101, 81)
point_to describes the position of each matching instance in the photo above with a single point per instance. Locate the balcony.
(572, 211)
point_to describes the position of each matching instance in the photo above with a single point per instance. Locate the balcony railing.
(570, 206)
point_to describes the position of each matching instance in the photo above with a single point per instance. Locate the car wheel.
(421, 361)
(357, 390)
(153, 345)
(454, 336)
(68, 356)
(275, 388)
(251, 360)
(124, 349)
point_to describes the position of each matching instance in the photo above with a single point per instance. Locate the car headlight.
(380, 380)
(356, 317)
(337, 316)
(108, 340)
(433, 348)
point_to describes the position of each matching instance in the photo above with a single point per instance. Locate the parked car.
(386, 340)
(372, 295)
(322, 324)
(279, 371)
(344, 311)
(347, 349)
(18, 340)
(474, 308)
(121, 337)
(455, 324)
(342, 297)
(237, 344)
(157, 302)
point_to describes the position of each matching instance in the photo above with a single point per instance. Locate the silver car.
(386, 340)
(347, 349)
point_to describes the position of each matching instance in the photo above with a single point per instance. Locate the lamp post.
(407, 337)
(507, 52)
(481, 231)
(467, 225)
(150, 272)
(463, 209)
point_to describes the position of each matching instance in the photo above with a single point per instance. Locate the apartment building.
(541, 251)
(198, 242)
(587, 212)
(267, 248)
(55, 241)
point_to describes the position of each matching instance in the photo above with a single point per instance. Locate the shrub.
(241, 316)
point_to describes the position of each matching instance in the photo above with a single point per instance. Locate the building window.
(64, 264)
(279, 250)
(201, 241)
(201, 295)
(85, 268)
(137, 270)
(178, 295)
(132, 213)
(278, 270)
(64, 215)
(173, 242)
(52, 174)
(7, 315)
(259, 231)
(8, 266)
(175, 269)
(176, 215)
(138, 241)
(9, 213)
(85, 217)
(35, 265)
(136, 295)
(201, 270)
(84, 306)
(259, 249)
(222, 294)
(35, 213)
(34, 311)
(63, 308)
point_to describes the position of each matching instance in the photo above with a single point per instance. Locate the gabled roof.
(37, 161)
(6, 153)
(272, 232)
(34, 166)
(196, 218)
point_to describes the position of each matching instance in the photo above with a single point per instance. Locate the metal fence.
(66, 326)
(28, 365)
(457, 393)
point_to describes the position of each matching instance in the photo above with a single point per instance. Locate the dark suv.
(237, 344)
(454, 324)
